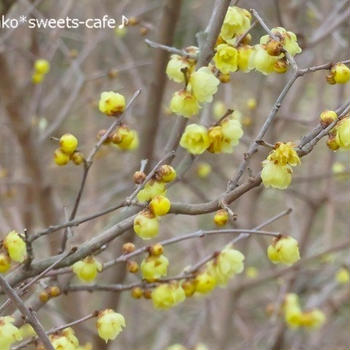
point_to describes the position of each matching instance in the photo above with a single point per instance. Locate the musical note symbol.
(125, 22)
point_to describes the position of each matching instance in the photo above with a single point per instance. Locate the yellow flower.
(219, 109)
(283, 154)
(204, 84)
(109, 324)
(339, 74)
(27, 331)
(251, 272)
(342, 276)
(251, 103)
(244, 53)
(68, 143)
(37, 78)
(276, 176)
(165, 173)
(111, 103)
(236, 21)
(216, 139)
(9, 333)
(226, 58)
(203, 170)
(312, 319)
(5, 262)
(205, 282)
(184, 103)
(232, 131)
(284, 250)
(60, 157)
(343, 133)
(175, 66)
(221, 217)
(160, 205)
(154, 267)
(288, 40)
(86, 270)
(146, 225)
(65, 339)
(167, 295)
(228, 263)
(195, 139)
(151, 189)
(15, 246)
(292, 310)
(41, 66)
(125, 138)
(261, 60)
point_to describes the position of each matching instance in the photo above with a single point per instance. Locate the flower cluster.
(295, 317)
(283, 250)
(220, 138)
(41, 68)
(146, 222)
(87, 269)
(68, 150)
(277, 171)
(200, 88)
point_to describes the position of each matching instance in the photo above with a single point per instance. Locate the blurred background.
(35, 193)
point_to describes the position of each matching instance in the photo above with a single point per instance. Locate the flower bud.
(146, 225)
(343, 133)
(122, 137)
(327, 117)
(147, 293)
(37, 78)
(340, 74)
(101, 133)
(160, 205)
(111, 103)
(41, 66)
(332, 143)
(60, 157)
(132, 266)
(139, 177)
(68, 143)
(203, 170)
(342, 276)
(151, 189)
(154, 267)
(165, 173)
(128, 248)
(205, 282)
(137, 293)
(15, 246)
(44, 296)
(156, 249)
(221, 217)
(5, 262)
(77, 158)
(86, 270)
(109, 324)
(189, 287)
(54, 291)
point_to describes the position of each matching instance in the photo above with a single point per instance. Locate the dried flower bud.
(156, 249)
(139, 177)
(132, 266)
(137, 293)
(128, 248)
